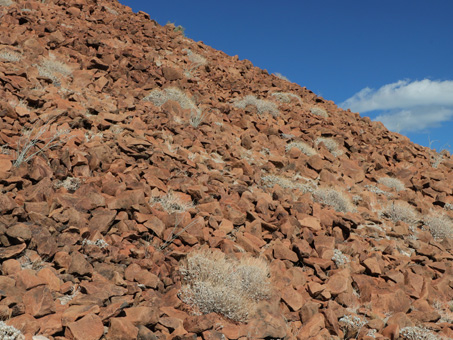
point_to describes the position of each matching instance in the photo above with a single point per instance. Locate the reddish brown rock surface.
(151, 156)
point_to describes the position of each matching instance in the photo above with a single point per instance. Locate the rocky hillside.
(152, 187)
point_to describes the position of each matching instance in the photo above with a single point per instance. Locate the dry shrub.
(393, 183)
(333, 197)
(53, 69)
(400, 211)
(440, 226)
(318, 111)
(304, 147)
(285, 97)
(286, 183)
(330, 145)
(261, 105)
(215, 283)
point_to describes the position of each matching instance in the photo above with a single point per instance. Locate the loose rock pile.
(126, 146)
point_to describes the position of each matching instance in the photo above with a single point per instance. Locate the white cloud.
(407, 106)
(415, 119)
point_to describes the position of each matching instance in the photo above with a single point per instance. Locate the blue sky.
(389, 60)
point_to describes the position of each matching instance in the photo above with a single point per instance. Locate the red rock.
(10, 267)
(26, 279)
(310, 329)
(281, 252)
(51, 279)
(79, 265)
(292, 298)
(25, 323)
(74, 312)
(268, 325)
(126, 199)
(39, 301)
(171, 73)
(146, 278)
(20, 231)
(315, 288)
(391, 331)
(121, 329)
(62, 259)
(89, 327)
(171, 323)
(6, 203)
(50, 324)
(198, 323)
(372, 265)
(338, 283)
(310, 222)
(101, 220)
(142, 315)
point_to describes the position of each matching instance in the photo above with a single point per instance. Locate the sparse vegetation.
(6, 2)
(393, 183)
(351, 325)
(281, 76)
(334, 198)
(69, 183)
(53, 69)
(100, 243)
(171, 203)
(330, 145)
(64, 300)
(319, 111)
(261, 105)
(215, 283)
(160, 97)
(339, 258)
(11, 56)
(378, 191)
(400, 211)
(304, 147)
(286, 183)
(440, 226)
(285, 97)
(196, 60)
(10, 332)
(34, 136)
(417, 333)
